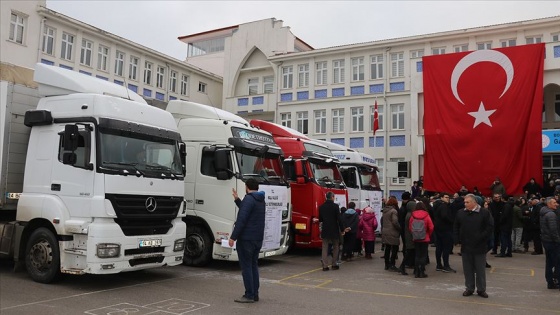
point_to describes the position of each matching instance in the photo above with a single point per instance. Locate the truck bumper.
(80, 256)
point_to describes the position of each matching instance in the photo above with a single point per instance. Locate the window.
(160, 77)
(397, 65)
(202, 87)
(67, 44)
(397, 114)
(102, 58)
(287, 77)
(86, 52)
(397, 180)
(483, 46)
(438, 51)
(338, 71)
(376, 67)
(417, 53)
(338, 120)
(147, 73)
(357, 69)
(286, 120)
(119, 63)
(555, 37)
(534, 40)
(302, 122)
(17, 27)
(321, 73)
(461, 48)
(381, 166)
(303, 75)
(268, 84)
(357, 119)
(253, 84)
(508, 43)
(133, 68)
(379, 117)
(557, 107)
(184, 84)
(207, 162)
(82, 152)
(173, 81)
(320, 121)
(48, 40)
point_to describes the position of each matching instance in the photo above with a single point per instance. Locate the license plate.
(150, 243)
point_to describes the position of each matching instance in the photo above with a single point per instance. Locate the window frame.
(253, 86)
(357, 119)
(103, 58)
(376, 62)
(338, 71)
(484, 45)
(173, 81)
(397, 116)
(302, 117)
(48, 38)
(85, 50)
(160, 77)
(133, 67)
(268, 84)
(287, 77)
(320, 116)
(184, 90)
(338, 116)
(18, 27)
(202, 87)
(148, 66)
(321, 73)
(119, 63)
(358, 69)
(397, 65)
(67, 44)
(286, 119)
(303, 75)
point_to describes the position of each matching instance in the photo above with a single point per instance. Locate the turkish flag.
(375, 118)
(483, 118)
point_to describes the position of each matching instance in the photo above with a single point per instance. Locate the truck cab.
(312, 171)
(223, 152)
(102, 187)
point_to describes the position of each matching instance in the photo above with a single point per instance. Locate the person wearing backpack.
(421, 227)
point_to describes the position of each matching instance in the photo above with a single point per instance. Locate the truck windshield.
(369, 178)
(326, 175)
(266, 170)
(153, 157)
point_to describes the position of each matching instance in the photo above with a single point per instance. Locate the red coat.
(421, 214)
(368, 225)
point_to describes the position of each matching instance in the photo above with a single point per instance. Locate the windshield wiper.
(138, 171)
(259, 175)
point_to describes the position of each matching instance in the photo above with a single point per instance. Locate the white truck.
(223, 151)
(359, 171)
(102, 187)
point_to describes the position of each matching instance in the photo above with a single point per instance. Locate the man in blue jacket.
(248, 234)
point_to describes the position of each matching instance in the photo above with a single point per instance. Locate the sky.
(157, 24)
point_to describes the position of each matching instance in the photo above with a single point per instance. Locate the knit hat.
(368, 209)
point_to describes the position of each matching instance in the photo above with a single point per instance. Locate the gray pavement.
(290, 284)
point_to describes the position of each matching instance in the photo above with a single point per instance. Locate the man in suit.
(331, 229)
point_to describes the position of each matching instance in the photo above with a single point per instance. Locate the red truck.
(312, 171)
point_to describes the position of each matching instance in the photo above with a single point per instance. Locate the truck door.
(213, 195)
(72, 176)
(193, 158)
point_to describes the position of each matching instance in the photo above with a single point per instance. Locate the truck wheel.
(198, 248)
(42, 256)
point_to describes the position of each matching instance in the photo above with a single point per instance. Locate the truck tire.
(198, 247)
(42, 256)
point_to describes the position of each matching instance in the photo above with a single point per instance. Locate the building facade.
(329, 93)
(32, 33)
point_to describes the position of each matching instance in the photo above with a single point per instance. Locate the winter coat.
(498, 188)
(367, 226)
(443, 221)
(391, 227)
(549, 225)
(350, 219)
(473, 230)
(423, 215)
(517, 217)
(329, 216)
(249, 225)
(506, 218)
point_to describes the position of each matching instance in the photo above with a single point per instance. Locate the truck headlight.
(179, 245)
(108, 250)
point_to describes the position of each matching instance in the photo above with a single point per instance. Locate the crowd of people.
(500, 224)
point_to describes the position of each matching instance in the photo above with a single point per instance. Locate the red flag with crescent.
(375, 118)
(483, 118)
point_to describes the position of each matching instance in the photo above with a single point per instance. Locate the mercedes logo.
(151, 204)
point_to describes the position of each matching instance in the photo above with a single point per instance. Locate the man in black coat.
(496, 208)
(443, 224)
(472, 228)
(506, 227)
(331, 228)
(535, 208)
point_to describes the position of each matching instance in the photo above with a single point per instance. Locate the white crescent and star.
(482, 115)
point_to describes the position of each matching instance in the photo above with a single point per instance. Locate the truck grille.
(137, 215)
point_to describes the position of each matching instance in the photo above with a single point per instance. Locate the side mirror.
(183, 154)
(300, 175)
(71, 136)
